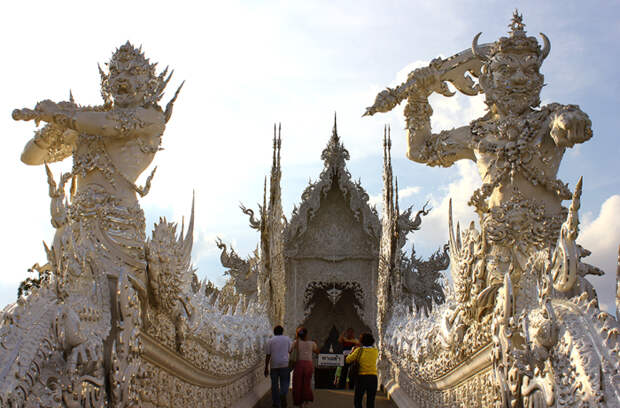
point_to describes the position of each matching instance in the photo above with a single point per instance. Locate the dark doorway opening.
(327, 320)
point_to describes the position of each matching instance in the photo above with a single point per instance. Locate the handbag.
(354, 368)
(293, 357)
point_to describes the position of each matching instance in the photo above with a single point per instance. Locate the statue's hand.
(422, 82)
(570, 126)
(385, 101)
(46, 110)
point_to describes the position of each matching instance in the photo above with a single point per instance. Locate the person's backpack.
(354, 368)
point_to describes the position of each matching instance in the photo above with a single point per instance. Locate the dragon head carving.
(170, 271)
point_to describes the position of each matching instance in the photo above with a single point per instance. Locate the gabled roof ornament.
(334, 155)
(333, 175)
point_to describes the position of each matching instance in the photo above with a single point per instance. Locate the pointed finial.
(517, 27)
(389, 147)
(275, 145)
(385, 146)
(384, 138)
(334, 152)
(396, 196)
(265, 194)
(335, 129)
(279, 143)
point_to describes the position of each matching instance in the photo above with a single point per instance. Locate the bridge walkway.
(330, 398)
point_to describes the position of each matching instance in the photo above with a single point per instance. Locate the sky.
(250, 64)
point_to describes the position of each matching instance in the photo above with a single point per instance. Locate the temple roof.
(336, 174)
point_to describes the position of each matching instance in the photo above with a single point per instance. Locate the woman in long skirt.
(302, 374)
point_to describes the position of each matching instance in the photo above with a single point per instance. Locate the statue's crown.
(128, 55)
(517, 41)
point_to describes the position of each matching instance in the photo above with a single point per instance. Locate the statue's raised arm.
(423, 146)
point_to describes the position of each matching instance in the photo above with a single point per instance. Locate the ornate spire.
(272, 261)
(335, 128)
(276, 173)
(275, 145)
(279, 144)
(388, 238)
(388, 187)
(396, 209)
(263, 210)
(334, 155)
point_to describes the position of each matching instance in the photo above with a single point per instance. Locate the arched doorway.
(331, 308)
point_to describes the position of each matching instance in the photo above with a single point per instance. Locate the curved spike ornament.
(545, 49)
(475, 48)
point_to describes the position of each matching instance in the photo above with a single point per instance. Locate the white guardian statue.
(520, 310)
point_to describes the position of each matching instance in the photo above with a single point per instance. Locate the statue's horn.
(476, 50)
(546, 47)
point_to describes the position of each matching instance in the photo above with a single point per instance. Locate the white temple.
(120, 319)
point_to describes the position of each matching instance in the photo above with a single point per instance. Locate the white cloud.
(434, 232)
(601, 235)
(408, 191)
(205, 247)
(455, 111)
(403, 73)
(376, 200)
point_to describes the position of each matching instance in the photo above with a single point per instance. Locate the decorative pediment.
(334, 175)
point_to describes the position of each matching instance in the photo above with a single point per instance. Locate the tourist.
(277, 349)
(302, 375)
(348, 341)
(366, 382)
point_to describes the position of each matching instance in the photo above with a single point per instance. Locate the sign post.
(331, 360)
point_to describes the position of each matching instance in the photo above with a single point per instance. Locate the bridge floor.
(327, 398)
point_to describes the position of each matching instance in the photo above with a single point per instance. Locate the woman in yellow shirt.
(367, 376)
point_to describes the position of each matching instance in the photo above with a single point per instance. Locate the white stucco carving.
(519, 324)
(115, 307)
(120, 320)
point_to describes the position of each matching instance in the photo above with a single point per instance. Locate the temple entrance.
(333, 308)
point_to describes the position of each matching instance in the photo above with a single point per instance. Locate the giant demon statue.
(520, 303)
(517, 146)
(100, 254)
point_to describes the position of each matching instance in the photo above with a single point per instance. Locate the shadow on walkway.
(326, 398)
